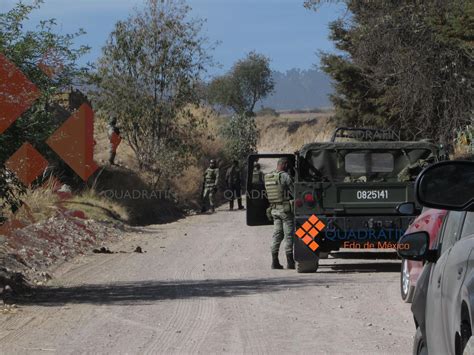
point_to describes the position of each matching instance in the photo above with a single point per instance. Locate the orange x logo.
(309, 230)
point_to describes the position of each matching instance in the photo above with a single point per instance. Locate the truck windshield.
(366, 163)
(363, 165)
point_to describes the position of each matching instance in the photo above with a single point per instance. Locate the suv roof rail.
(365, 134)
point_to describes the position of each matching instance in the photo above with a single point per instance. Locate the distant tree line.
(404, 65)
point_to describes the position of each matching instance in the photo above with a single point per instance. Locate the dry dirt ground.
(204, 285)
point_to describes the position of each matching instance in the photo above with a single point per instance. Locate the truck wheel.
(419, 344)
(307, 266)
(406, 289)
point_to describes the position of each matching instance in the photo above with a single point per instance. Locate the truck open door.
(257, 202)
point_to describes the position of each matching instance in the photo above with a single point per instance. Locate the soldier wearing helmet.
(279, 186)
(234, 185)
(209, 187)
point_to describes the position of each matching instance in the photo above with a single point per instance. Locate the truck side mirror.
(415, 246)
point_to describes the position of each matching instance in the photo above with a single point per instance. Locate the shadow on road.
(365, 255)
(360, 267)
(130, 293)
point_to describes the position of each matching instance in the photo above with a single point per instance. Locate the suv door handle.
(439, 281)
(460, 270)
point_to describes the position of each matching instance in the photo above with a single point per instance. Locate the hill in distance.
(299, 89)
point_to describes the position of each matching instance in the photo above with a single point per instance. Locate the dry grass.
(285, 133)
(289, 131)
(43, 202)
(188, 186)
(39, 204)
(97, 207)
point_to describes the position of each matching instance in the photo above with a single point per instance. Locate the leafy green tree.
(149, 76)
(28, 49)
(249, 81)
(241, 135)
(404, 65)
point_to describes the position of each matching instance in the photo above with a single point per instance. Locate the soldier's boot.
(275, 262)
(231, 205)
(239, 201)
(290, 261)
(213, 210)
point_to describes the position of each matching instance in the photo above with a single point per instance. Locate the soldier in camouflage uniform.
(234, 185)
(465, 139)
(209, 188)
(279, 186)
(410, 172)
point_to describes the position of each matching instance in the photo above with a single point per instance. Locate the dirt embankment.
(30, 253)
(50, 230)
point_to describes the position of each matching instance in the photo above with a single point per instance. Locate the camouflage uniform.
(211, 178)
(279, 186)
(411, 171)
(234, 186)
(465, 139)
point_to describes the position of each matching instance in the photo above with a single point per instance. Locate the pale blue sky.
(281, 29)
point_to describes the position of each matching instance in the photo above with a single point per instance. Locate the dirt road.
(204, 286)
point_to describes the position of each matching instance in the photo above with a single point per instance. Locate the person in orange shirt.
(113, 133)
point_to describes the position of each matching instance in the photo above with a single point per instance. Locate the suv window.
(451, 230)
(362, 163)
(468, 227)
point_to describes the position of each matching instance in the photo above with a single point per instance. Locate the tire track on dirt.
(193, 316)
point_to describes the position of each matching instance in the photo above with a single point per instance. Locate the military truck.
(353, 185)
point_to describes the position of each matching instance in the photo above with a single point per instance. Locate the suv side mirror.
(415, 246)
(447, 186)
(407, 209)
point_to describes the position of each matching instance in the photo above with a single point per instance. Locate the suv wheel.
(419, 344)
(406, 289)
(467, 342)
(307, 266)
(469, 349)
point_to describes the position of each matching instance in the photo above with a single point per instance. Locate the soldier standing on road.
(234, 185)
(113, 133)
(209, 188)
(279, 186)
